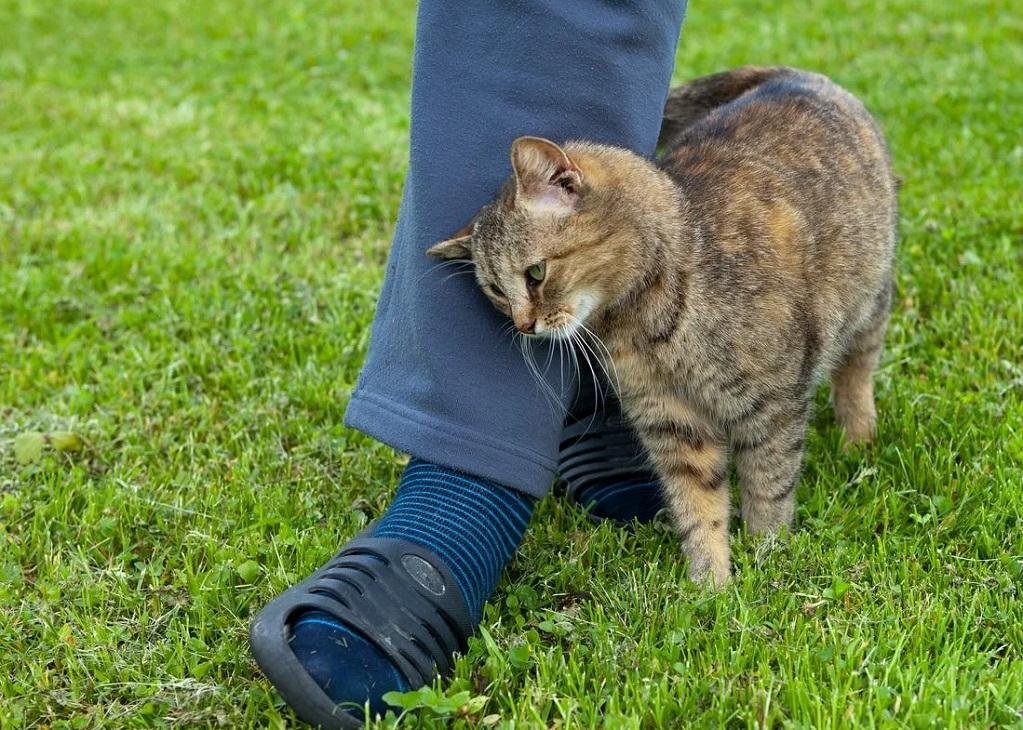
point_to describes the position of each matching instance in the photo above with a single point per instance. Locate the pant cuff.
(449, 445)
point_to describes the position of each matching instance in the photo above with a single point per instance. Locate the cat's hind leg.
(691, 460)
(852, 380)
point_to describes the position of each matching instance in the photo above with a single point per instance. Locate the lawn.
(195, 205)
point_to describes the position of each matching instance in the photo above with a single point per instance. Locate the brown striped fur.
(726, 281)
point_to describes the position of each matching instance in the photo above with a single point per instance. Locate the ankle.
(473, 525)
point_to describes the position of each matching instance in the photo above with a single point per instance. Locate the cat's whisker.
(445, 264)
(550, 356)
(607, 383)
(561, 365)
(608, 361)
(557, 406)
(571, 361)
(604, 348)
(546, 389)
(572, 349)
(508, 329)
(579, 346)
(589, 364)
(457, 273)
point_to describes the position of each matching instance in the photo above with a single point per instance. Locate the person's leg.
(442, 381)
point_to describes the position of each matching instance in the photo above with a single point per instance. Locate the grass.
(195, 205)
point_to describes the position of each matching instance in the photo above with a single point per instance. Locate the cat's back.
(787, 178)
(770, 127)
(785, 161)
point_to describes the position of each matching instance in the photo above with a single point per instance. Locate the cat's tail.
(693, 100)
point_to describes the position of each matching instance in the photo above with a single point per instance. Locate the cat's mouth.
(560, 326)
(565, 323)
(559, 330)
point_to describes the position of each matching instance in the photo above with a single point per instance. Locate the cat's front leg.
(691, 459)
(768, 456)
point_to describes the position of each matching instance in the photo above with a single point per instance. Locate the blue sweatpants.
(443, 379)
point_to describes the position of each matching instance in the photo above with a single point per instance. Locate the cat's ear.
(546, 179)
(456, 247)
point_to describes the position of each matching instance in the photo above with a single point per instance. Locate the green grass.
(195, 206)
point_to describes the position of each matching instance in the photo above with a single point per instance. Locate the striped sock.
(473, 525)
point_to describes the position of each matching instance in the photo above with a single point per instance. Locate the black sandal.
(600, 453)
(404, 600)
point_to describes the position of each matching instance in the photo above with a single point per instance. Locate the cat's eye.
(536, 273)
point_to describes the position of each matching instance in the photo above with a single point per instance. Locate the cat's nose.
(527, 327)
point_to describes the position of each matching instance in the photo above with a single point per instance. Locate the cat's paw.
(858, 420)
(768, 517)
(710, 567)
(858, 434)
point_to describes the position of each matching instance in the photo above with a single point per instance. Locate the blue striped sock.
(473, 525)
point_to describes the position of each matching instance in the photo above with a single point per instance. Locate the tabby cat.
(726, 281)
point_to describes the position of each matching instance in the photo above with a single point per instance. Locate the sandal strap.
(595, 449)
(399, 595)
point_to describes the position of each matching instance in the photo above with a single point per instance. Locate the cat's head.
(558, 243)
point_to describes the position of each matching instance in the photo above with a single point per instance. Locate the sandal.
(398, 595)
(603, 468)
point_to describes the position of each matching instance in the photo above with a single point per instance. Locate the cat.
(726, 281)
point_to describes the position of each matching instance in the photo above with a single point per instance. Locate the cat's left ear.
(456, 247)
(546, 178)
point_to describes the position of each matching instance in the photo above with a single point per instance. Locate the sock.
(473, 525)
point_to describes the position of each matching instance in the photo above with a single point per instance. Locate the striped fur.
(726, 282)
